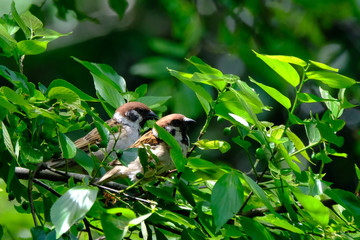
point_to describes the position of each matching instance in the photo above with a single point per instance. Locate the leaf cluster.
(201, 200)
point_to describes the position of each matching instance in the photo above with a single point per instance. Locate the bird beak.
(188, 120)
(151, 115)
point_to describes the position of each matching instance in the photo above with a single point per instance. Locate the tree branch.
(59, 176)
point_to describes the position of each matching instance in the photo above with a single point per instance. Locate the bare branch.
(59, 176)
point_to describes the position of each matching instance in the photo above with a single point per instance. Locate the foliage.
(280, 198)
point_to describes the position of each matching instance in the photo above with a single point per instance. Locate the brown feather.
(93, 137)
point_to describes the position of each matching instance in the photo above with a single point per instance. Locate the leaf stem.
(209, 116)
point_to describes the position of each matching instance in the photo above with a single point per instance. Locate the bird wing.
(93, 137)
(147, 139)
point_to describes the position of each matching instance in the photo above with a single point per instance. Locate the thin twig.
(31, 200)
(87, 227)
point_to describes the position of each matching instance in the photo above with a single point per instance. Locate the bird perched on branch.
(128, 119)
(176, 125)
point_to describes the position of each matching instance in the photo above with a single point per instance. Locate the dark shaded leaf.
(226, 198)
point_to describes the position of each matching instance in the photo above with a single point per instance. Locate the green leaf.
(327, 133)
(203, 96)
(242, 143)
(333, 105)
(177, 218)
(18, 80)
(30, 154)
(6, 104)
(333, 80)
(288, 59)
(312, 133)
(7, 42)
(279, 222)
(226, 198)
(212, 80)
(203, 67)
(7, 140)
(275, 94)
(197, 163)
(175, 149)
(111, 95)
(67, 146)
(14, 97)
(185, 191)
(63, 83)
(284, 69)
(313, 206)
(119, 6)
(250, 96)
(31, 21)
(105, 73)
(288, 159)
(71, 207)
(103, 132)
(323, 66)
(64, 94)
(309, 98)
(255, 230)
(128, 156)
(299, 145)
(205, 144)
(153, 102)
(259, 193)
(49, 34)
(19, 21)
(84, 160)
(346, 199)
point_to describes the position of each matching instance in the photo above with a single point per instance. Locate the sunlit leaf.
(313, 206)
(226, 198)
(7, 140)
(284, 69)
(279, 222)
(71, 207)
(310, 98)
(275, 94)
(64, 94)
(333, 80)
(288, 159)
(205, 144)
(299, 145)
(323, 66)
(31, 21)
(333, 105)
(288, 59)
(31, 47)
(203, 67)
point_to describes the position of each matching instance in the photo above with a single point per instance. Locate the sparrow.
(128, 119)
(176, 125)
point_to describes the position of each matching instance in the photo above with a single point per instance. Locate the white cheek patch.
(125, 121)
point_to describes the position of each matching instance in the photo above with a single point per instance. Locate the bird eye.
(172, 132)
